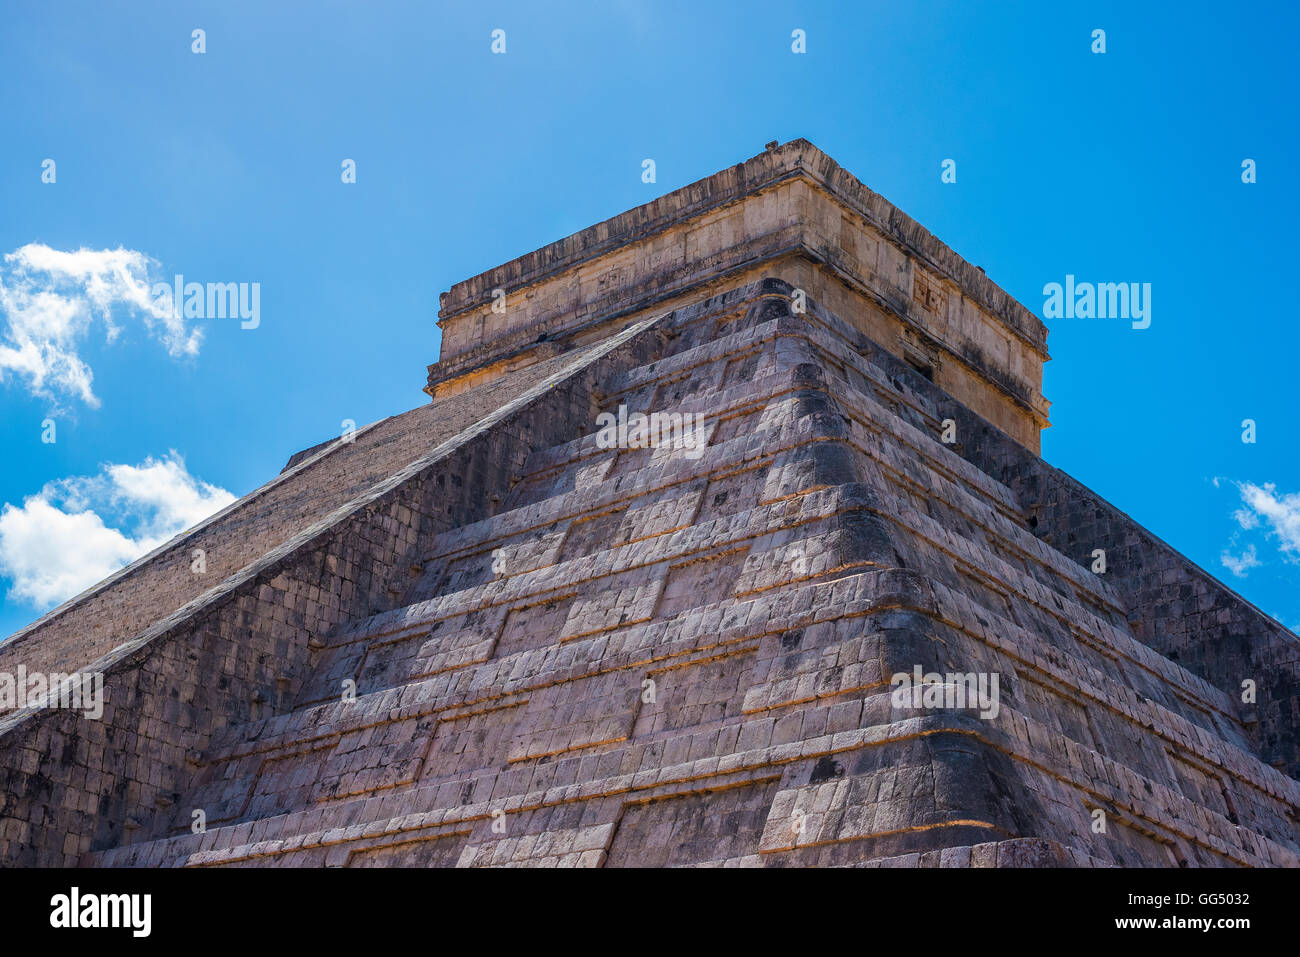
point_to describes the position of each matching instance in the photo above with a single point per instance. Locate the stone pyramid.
(513, 627)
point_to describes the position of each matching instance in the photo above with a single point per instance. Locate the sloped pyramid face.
(830, 609)
(682, 655)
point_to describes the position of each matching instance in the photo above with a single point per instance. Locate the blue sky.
(225, 166)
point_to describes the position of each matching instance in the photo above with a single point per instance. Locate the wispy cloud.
(50, 300)
(1239, 565)
(76, 531)
(1266, 515)
(1278, 513)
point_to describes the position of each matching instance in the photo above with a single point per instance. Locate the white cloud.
(1280, 513)
(77, 531)
(1239, 565)
(50, 299)
(1246, 519)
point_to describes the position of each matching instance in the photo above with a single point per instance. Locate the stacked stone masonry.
(478, 636)
(824, 540)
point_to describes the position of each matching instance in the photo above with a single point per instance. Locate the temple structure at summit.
(830, 608)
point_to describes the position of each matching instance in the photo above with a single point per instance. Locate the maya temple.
(722, 540)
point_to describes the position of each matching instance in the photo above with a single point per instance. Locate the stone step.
(304, 731)
(716, 760)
